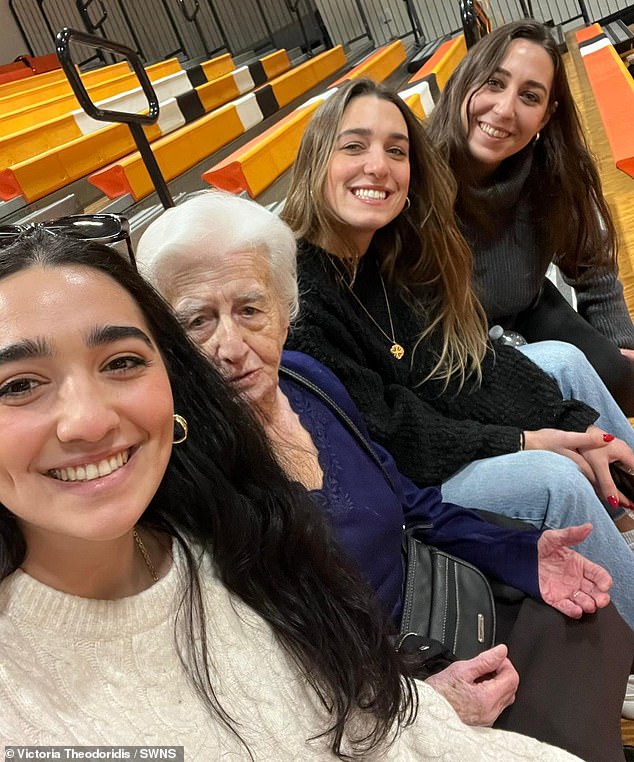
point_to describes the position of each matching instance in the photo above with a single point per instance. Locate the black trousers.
(573, 672)
(553, 318)
(573, 675)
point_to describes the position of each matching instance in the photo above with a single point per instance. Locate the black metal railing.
(135, 121)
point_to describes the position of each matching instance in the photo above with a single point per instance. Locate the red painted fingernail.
(613, 500)
(608, 437)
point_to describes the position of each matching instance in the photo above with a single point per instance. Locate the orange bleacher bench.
(254, 166)
(378, 65)
(41, 64)
(27, 144)
(613, 90)
(92, 77)
(242, 80)
(54, 78)
(28, 66)
(64, 104)
(14, 72)
(58, 167)
(437, 70)
(45, 135)
(85, 141)
(275, 64)
(180, 151)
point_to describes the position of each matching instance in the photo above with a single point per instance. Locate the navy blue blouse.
(368, 513)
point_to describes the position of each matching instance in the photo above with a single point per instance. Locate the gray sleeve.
(601, 302)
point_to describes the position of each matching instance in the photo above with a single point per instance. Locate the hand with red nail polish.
(603, 450)
(593, 450)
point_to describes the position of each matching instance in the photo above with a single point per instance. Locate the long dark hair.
(224, 491)
(564, 186)
(422, 252)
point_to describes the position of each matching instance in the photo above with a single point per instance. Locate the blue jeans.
(579, 380)
(547, 489)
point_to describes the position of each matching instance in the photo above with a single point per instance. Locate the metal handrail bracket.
(133, 120)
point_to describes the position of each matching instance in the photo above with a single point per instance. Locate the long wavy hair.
(224, 491)
(564, 186)
(421, 252)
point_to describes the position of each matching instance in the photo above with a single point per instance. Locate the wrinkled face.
(505, 114)
(368, 174)
(85, 406)
(227, 304)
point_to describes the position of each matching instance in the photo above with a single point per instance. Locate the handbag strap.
(343, 417)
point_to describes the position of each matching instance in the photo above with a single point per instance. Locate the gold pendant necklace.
(146, 556)
(396, 350)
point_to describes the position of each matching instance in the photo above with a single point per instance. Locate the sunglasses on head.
(101, 228)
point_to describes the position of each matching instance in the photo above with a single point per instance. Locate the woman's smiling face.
(368, 174)
(505, 114)
(85, 405)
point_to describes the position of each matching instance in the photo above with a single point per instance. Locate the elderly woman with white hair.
(227, 267)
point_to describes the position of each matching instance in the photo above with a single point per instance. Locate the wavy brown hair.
(566, 195)
(421, 252)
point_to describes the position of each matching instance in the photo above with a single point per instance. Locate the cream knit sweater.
(85, 672)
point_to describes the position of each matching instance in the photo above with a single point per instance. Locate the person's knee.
(571, 497)
(557, 357)
(560, 487)
(535, 486)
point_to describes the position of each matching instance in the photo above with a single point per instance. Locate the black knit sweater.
(430, 433)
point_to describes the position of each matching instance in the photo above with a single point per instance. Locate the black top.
(431, 432)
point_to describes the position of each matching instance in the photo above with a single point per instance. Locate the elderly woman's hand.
(479, 689)
(568, 581)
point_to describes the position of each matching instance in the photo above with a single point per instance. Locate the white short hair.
(222, 223)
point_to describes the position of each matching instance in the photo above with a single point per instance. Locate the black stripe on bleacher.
(190, 106)
(433, 86)
(196, 76)
(267, 101)
(592, 40)
(258, 75)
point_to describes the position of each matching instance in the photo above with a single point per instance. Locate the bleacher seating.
(28, 66)
(254, 166)
(437, 70)
(48, 156)
(181, 150)
(613, 90)
(42, 105)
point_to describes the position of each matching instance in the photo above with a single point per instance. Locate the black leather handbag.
(446, 599)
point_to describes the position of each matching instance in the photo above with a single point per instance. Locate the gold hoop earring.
(537, 134)
(408, 203)
(181, 429)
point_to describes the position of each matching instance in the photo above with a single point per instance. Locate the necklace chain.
(396, 350)
(145, 555)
